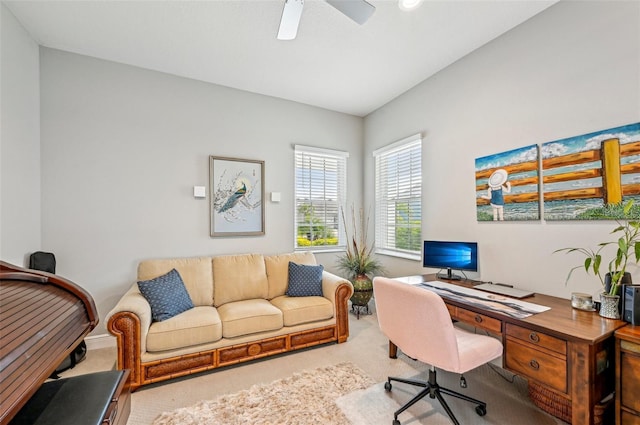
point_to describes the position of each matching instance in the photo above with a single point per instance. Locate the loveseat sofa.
(241, 311)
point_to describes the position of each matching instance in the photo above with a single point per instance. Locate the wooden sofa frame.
(126, 327)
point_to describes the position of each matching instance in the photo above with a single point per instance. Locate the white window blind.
(398, 191)
(320, 190)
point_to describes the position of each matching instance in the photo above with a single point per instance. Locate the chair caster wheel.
(387, 387)
(395, 422)
(481, 410)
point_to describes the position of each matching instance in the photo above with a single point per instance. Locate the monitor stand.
(448, 275)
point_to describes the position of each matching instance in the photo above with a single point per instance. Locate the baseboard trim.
(97, 342)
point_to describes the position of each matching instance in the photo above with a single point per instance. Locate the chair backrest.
(417, 321)
(43, 261)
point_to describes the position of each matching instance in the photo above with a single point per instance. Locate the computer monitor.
(450, 256)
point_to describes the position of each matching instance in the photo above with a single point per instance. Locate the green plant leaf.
(627, 207)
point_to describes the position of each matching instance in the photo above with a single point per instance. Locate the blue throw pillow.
(167, 295)
(304, 281)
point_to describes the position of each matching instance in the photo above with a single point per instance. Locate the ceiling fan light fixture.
(408, 5)
(358, 10)
(291, 14)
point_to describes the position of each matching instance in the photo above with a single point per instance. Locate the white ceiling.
(334, 63)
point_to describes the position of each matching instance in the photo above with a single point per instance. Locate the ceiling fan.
(358, 10)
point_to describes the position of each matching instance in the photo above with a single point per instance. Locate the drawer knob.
(478, 319)
(533, 337)
(534, 365)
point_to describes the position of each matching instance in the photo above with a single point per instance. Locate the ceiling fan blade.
(291, 14)
(358, 10)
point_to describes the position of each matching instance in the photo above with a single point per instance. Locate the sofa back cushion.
(195, 273)
(238, 278)
(278, 270)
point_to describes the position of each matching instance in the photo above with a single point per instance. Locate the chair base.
(433, 390)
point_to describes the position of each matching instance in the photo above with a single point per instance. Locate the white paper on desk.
(494, 302)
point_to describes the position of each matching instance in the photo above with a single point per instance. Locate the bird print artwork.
(234, 199)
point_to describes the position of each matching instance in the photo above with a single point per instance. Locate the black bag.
(70, 362)
(43, 261)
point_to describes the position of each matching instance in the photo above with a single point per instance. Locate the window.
(320, 190)
(398, 219)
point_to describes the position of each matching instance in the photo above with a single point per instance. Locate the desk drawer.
(479, 320)
(537, 338)
(452, 311)
(536, 364)
(629, 418)
(630, 380)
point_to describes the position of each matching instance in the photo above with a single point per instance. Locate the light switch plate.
(199, 192)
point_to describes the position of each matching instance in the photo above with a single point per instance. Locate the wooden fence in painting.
(610, 154)
(612, 190)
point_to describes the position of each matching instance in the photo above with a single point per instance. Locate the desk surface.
(561, 319)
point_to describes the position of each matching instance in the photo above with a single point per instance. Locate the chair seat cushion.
(200, 325)
(475, 350)
(299, 310)
(248, 317)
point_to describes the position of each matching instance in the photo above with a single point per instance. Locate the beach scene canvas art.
(590, 177)
(507, 185)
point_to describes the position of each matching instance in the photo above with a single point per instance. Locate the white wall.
(571, 70)
(19, 142)
(122, 148)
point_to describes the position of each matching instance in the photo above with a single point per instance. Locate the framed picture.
(592, 176)
(237, 197)
(508, 185)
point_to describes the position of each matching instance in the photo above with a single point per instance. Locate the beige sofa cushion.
(239, 277)
(299, 310)
(195, 273)
(248, 317)
(278, 270)
(200, 325)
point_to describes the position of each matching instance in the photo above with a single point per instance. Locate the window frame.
(319, 155)
(383, 199)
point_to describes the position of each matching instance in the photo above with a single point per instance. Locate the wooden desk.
(566, 352)
(628, 375)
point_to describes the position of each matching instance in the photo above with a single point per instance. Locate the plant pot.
(626, 280)
(609, 306)
(362, 290)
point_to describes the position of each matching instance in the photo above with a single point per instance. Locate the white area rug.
(307, 397)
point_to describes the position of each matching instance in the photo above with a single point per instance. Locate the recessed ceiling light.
(409, 4)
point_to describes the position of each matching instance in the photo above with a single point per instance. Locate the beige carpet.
(307, 397)
(367, 348)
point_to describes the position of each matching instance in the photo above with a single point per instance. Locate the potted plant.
(628, 249)
(358, 261)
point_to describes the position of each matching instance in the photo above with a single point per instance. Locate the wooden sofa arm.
(343, 293)
(338, 290)
(125, 325)
(129, 322)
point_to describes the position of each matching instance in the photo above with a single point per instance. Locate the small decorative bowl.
(582, 301)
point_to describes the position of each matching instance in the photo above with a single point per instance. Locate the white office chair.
(417, 321)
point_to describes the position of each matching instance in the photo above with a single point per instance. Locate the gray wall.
(19, 142)
(571, 70)
(122, 148)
